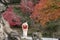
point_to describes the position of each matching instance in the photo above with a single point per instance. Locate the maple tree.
(26, 6)
(45, 11)
(11, 17)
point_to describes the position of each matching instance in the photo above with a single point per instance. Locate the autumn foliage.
(45, 11)
(26, 6)
(11, 17)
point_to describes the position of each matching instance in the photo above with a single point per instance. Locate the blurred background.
(41, 15)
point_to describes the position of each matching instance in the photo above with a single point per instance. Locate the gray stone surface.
(2, 7)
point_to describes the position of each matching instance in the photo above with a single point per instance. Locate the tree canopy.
(45, 11)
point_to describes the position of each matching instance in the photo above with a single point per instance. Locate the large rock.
(2, 7)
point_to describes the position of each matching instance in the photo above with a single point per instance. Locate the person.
(25, 29)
